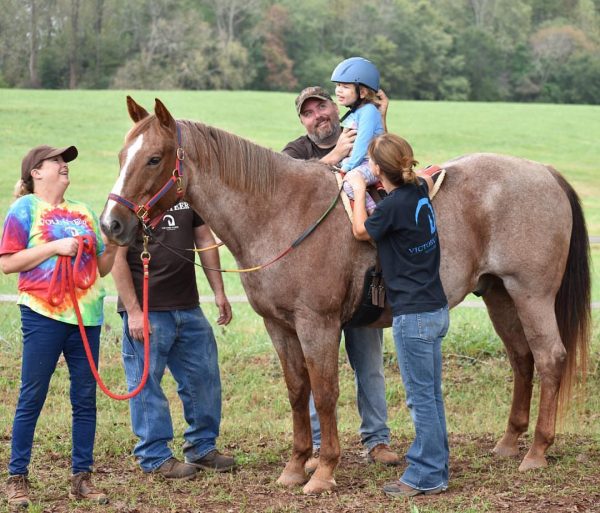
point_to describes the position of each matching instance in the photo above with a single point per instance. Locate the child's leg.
(370, 204)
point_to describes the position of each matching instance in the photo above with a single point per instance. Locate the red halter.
(143, 211)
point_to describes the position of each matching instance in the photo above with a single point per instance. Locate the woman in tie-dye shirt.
(40, 226)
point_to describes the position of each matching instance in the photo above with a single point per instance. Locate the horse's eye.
(154, 161)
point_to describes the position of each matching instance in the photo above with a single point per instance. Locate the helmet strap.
(352, 108)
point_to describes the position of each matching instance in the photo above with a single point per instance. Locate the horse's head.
(149, 180)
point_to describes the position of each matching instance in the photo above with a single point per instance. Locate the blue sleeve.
(369, 125)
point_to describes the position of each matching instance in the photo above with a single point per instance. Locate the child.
(404, 228)
(357, 83)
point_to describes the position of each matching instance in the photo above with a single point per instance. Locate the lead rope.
(70, 279)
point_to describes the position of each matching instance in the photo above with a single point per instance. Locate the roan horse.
(510, 228)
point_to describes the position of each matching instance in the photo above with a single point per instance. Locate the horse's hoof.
(318, 486)
(290, 479)
(530, 463)
(505, 451)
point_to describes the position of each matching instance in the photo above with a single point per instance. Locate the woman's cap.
(311, 92)
(36, 155)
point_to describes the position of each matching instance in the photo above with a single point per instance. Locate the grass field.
(256, 421)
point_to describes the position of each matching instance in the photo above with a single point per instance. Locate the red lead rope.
(71, 279)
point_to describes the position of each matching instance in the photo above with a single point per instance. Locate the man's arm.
(383, 102)
(203, 238)
(124, 282)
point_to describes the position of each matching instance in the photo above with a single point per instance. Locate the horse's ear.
(163, 115)
(136, 112)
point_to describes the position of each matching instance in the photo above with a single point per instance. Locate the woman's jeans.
(418, 339)
(44, 340)
(183, 341)
(364, 347)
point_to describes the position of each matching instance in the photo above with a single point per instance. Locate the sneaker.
(174, 469)
(399, 489)
(382, 453)
(17, 491)
(311, 464)
(215, 461)
(82, 488)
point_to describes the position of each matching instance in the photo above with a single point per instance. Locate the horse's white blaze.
(131, 152)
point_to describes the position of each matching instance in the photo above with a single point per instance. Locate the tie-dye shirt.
(32, 222)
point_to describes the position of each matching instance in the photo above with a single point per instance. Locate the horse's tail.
(573, 300)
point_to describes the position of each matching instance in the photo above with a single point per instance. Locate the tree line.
(478, 50)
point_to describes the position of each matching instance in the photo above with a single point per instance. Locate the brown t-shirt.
(172, 281)
(304, 149)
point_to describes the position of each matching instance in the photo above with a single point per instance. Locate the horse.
(510, 229)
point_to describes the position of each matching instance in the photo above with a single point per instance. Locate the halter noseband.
(142, 212)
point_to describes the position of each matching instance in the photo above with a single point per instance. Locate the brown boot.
(382, 453)
(17, 491)
(82, 488)
(311, 463)
(174, 469)
(215, 461)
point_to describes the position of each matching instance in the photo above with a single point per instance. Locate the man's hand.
(342, 148)
(383, 102)
(224, 307)
(135, 323)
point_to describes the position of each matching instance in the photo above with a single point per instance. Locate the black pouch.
(373, 301)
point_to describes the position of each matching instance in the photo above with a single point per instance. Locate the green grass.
(96, 122)
(256, 421)
(256, 427)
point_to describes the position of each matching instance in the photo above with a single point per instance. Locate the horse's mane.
(240, 163)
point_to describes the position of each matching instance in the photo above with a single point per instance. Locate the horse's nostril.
(115, 227)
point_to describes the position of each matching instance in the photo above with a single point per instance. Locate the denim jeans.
(183, 341)
(44, 339)
(418, 338)
(364, 347)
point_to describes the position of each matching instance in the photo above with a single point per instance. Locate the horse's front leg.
(290, 354)
(320, 345)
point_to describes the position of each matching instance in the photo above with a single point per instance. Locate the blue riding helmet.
(357, 70)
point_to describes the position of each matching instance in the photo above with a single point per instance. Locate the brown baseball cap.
(36, 155)
(311, 92)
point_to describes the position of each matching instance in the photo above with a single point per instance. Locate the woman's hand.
(65, 247)
(358, 183)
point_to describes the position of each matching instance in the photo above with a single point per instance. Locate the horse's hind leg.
(290, 354)
(503, 314)
(540, 327)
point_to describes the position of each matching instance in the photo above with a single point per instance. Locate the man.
(181, 339)
(325, 140)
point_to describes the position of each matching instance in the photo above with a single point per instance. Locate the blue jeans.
(44, 340)
(364, 347)
(418, 338)
(183, 341)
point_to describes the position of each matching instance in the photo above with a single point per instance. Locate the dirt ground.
(478, 482)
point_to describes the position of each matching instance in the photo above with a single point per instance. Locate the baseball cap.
(311, 92)
(36, 155)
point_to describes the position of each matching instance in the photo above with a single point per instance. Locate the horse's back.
(501, 215)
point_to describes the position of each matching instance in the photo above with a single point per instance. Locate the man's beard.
(326, 135)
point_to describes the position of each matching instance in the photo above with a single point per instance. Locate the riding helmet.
(357, 70)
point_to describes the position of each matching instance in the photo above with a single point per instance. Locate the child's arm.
(369, 125)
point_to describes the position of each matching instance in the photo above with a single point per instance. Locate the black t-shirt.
(404, 228)
(304, 149)
(172, 281)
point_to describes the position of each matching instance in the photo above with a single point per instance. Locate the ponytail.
(395, 159)
(23, 188)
